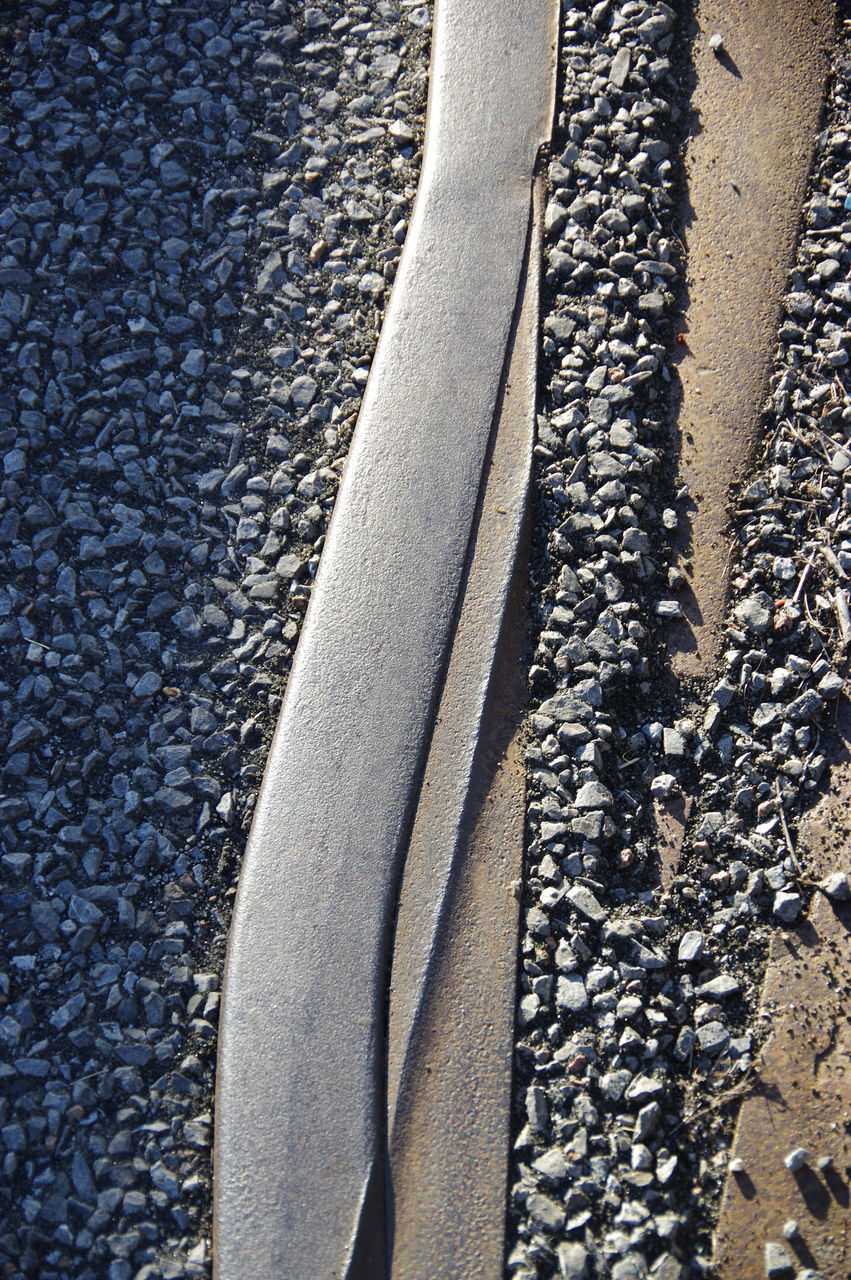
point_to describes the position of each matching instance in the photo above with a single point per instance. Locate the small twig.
(730, 556)
(815, 626)
(827, 439)
(803, 578)
(833, 562)
(785, 825)
(767, 508)
(843, 615)
(836, 232)
(816, 443)
(744, 1086)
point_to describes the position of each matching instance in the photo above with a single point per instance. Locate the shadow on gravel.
(814, 1194)
(838, 1188)
(804, 1255)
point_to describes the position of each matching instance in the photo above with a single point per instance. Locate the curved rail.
(453, 977)
(300, 1107)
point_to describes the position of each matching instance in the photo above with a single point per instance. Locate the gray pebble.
(779, 1263)
(755, 613)
(585, 902)
(573, 1261)
(836, 886)
(713, 1037)
(787, 906)
(691, 946)
(546, 1213)
(571, 995)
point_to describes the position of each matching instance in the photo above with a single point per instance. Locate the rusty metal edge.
(757, 105)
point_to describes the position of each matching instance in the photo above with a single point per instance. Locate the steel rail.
(299, 1177)
(758, 100)
(453, 979)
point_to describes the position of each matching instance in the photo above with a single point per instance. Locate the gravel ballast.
(638, 1016)
(201, 212)
(202, 209)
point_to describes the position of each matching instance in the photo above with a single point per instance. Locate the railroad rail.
(416, 565)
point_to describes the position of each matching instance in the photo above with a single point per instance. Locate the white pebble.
(796, 1159)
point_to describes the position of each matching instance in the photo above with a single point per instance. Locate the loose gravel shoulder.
(202, 208)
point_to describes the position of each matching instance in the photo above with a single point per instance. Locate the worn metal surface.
(802, 1097)
(300, 1111)
(450, 1032)
(757, 109)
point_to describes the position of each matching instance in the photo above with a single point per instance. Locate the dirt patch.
(669, 824)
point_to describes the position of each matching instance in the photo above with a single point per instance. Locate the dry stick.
(812, 444)
(752, 513)
(804, 575)
(843, 616)
(815, 626)
(826, 437)
(729, 561)
(784, 824)
(833, 562)
(836, 232)
(746, 1085)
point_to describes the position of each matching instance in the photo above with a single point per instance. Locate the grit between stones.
(202, 208)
